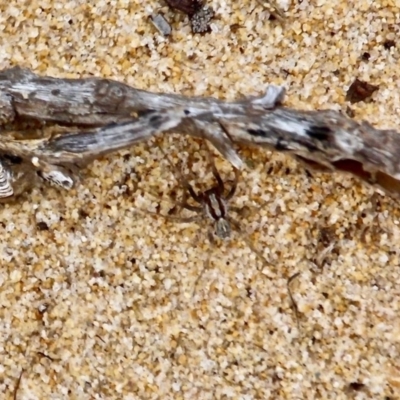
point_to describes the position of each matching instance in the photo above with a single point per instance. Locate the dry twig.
(325, 140)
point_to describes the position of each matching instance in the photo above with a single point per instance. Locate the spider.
(211, 204)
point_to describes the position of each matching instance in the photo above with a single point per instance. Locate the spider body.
(217, 208)
(213, 203)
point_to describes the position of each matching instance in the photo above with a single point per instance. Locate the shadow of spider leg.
(183, 203)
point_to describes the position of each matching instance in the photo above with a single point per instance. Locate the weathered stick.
(55, 158)
(326, 140)
(93, 101)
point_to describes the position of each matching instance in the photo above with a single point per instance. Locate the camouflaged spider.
(212, 204)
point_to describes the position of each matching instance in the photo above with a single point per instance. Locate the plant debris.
(199, 14)
(200, 21)
(360, 91)
(189, 7)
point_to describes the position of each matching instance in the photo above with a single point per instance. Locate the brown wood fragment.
(360, 91)
(189, 7)
(350, 112)
(356, 386)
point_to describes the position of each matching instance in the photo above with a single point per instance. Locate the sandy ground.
(97, 296)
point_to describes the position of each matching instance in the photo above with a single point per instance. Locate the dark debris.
(360, 91)
(200, 21)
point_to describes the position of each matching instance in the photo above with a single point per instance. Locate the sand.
(97, 296)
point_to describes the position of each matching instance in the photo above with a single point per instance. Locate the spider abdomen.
(216, 208)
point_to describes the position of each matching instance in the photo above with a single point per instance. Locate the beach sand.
(96, 295)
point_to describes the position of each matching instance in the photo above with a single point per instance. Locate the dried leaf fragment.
(388, 44)
(359, 91)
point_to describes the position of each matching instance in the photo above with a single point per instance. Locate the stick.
(325, 140)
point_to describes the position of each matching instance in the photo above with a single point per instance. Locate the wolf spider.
(212, 204)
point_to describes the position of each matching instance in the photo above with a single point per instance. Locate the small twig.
(100, 338)
(16, 388)
(40, 353)
(294, 304)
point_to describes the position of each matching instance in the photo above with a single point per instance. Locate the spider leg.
(203, 270)
(176, 218)
(236, 209)
(245, 211)
(247, 240)
(192, 208)
(182, 180)
(178, 206)
(220, 182)
(205, 267)
(264, 261)
(181, 204)
(217, 176)
(184, 203)
(294, 304)
(195, 218)
(157, 198)
(232, 191)
(191, 191)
